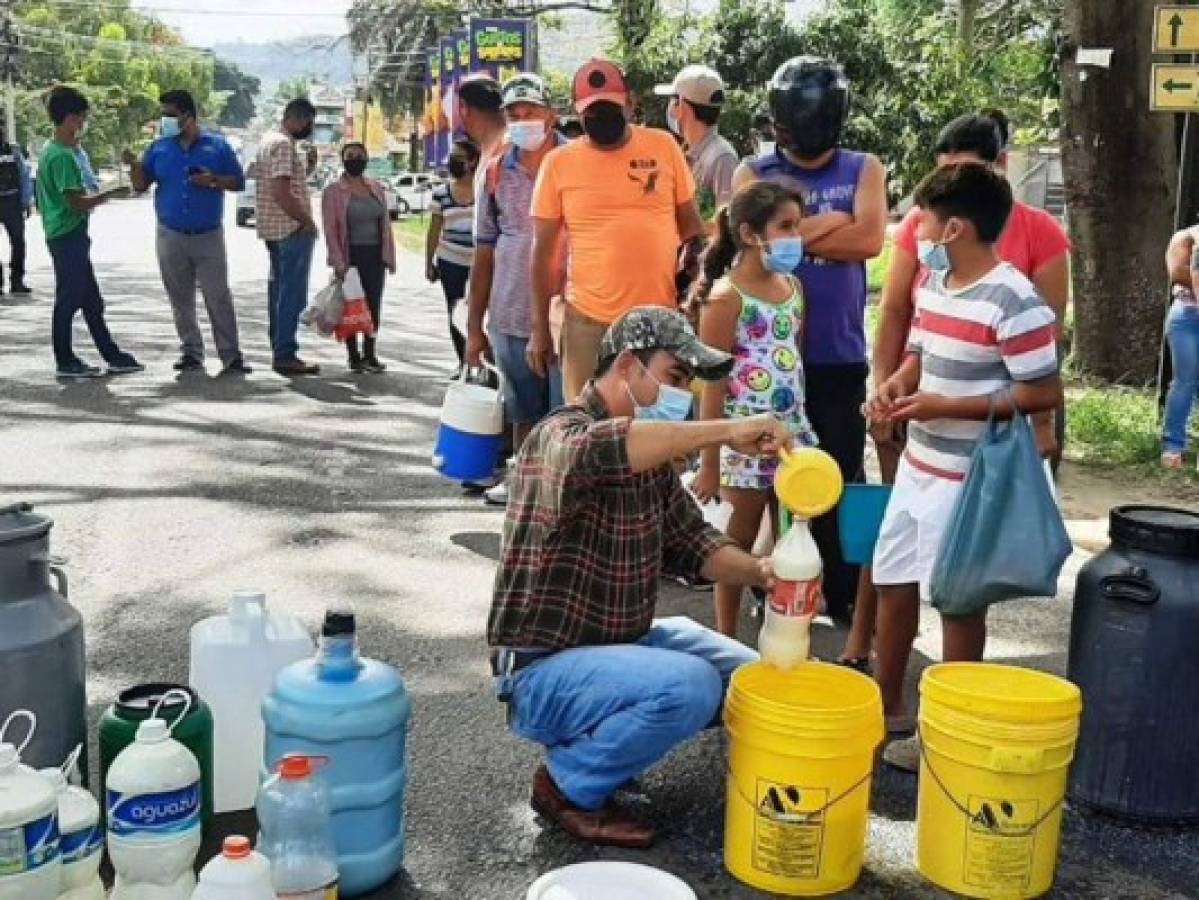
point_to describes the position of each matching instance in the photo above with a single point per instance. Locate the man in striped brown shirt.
(596, 515)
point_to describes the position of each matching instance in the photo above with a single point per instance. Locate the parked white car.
(246, 198)
(415, 190)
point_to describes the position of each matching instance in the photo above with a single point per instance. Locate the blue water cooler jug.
(354, 711)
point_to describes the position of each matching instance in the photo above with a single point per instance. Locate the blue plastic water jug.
(354, 711)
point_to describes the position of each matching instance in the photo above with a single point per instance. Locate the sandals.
(857, 663)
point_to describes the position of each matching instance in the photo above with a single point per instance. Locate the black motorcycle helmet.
(809, 101)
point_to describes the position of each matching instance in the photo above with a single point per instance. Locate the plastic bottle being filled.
(785, 640)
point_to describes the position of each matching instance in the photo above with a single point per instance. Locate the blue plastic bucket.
(471, 432)
(859, 518)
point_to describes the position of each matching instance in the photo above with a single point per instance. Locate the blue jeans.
(606, 714)
(76, 290)
(1182, 331)
(528, 397)
(287, 291)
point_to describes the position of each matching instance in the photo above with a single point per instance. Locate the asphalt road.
(170, 492)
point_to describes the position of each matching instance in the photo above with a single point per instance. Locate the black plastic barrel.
(1134, 652)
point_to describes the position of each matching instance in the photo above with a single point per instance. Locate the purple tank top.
(835, 330)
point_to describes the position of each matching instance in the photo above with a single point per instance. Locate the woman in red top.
(1033, 241)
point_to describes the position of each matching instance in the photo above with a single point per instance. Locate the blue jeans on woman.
(605, 714)
(287, 291)
(1182, 331)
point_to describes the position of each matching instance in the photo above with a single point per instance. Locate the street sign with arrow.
(1175, 88)
(1176, 29)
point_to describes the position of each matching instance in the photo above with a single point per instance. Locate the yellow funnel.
(808, 482)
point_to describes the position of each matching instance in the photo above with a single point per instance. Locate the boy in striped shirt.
(980, 331)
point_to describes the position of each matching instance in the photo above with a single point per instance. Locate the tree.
(1120, 164)
(122, 60)
(240, 90)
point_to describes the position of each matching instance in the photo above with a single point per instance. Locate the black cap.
(338, 623)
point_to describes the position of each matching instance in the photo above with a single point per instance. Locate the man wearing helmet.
(845, 218)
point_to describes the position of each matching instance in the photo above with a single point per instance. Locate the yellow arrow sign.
(1175, 88)
(1176, 29)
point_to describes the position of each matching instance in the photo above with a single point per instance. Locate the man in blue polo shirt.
(193, 169)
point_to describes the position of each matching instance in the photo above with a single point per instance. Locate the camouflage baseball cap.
(659, 328)
(526, 88)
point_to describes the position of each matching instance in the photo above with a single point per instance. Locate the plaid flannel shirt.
(586, 539)
(278, 157)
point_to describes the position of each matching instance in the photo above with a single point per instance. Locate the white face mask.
(527, 135)
(82, 130)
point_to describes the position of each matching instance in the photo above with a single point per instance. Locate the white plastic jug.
(786, 634)
(234, 661)
(30, 865)
(82, 840)
(237, 873)
(153, 802)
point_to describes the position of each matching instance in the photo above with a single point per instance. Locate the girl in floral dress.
(751, 305)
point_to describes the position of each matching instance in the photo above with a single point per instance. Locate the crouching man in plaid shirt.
(596, 515)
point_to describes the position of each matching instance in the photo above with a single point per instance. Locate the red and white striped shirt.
(974, 341)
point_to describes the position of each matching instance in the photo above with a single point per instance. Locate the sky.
(207, 22)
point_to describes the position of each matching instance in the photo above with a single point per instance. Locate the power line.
(182, 11)
(68, 37)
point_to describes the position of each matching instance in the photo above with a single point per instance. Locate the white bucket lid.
(609, 880)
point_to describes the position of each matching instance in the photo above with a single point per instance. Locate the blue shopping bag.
(1006, 538)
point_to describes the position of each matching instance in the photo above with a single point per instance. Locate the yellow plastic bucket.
(808, 481)
(996, 745)
(801, 753)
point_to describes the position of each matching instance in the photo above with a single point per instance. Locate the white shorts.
(917, 516)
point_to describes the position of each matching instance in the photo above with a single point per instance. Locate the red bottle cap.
(236, 847)
(296, 766)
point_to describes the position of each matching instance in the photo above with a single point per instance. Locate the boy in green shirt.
(65, 206)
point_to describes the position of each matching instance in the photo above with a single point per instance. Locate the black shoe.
(237, 367)
(20, 287)
(294, 367)
(356, 365)
(124, 364)
(77, 368)
(372, 365)
(187, 363)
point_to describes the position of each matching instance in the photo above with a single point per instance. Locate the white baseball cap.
(696, 84)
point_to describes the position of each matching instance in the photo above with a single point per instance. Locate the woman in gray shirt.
(358, 235)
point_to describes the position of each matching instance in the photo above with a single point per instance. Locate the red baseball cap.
(599, 80)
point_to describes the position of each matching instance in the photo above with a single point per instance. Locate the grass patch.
(410, 233)
(876, 269)
(1112, 425)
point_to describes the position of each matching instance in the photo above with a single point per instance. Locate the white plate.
(609, 881)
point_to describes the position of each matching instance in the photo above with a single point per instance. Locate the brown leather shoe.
(608, 825)
(296, 367)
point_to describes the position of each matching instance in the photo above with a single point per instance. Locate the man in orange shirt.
(625, 198)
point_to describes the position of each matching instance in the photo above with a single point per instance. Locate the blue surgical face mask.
(168, 127)
(672, 120)
(935, 254)
(783, 255)
(528, 135)
(673, 404)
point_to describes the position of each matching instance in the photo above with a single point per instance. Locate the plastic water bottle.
(234, 661)
(82, 840)
(237, 873)
(786, 634)
(30, 864)
(297, 830)
(153, 801)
